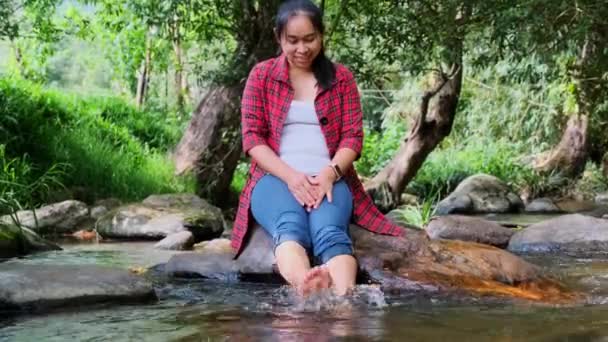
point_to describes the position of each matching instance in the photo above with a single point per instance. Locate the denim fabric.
(323, 231)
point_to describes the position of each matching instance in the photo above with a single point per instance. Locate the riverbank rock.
(16, 242)
(161, 215)
(58, 218)
(398, 264)
(602, 198)
(177, 241)
(573, 234)
(466, 228)
(25, 287)
(480, 193)
(542, 205)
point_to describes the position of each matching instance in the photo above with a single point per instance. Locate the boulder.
(602, 198)
(180, 241)
(58, 218)
(480, 193)
(215, 260)
(466, 228)
(15, 242)
(574, 234)
(161, 215)
(30, 287)
(103, 206)
(542, 205)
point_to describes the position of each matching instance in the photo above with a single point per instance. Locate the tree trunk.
(18, 59)
(211, 145)
(431, 127)
(213, 136)
(144, 76)
(570, 155)
(179, 68)
(605, 165)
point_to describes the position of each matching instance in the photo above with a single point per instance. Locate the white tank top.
(303, 145)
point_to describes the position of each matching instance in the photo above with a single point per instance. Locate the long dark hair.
(323, 69)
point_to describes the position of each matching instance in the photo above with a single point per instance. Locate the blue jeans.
(324, 230)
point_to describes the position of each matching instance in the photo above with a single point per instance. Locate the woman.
(302, 126)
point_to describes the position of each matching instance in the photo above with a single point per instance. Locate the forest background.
(127, 98)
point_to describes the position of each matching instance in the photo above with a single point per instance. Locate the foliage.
(102, 145)
(378, 149)
(418, 215)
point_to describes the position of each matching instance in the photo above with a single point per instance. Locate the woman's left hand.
(324, 182)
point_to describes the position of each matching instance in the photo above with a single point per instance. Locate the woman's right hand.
(302, 189)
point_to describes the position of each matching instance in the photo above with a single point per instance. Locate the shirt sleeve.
(352, 116)
(253, 122)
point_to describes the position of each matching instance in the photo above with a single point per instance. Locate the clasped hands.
(310, 191)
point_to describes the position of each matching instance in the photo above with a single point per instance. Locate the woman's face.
(300, 41)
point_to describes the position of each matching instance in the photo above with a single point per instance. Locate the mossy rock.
(15, 241)
(204, 225)
(10, 241)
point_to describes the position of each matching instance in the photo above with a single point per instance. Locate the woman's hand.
(324, 184)
(302, 189)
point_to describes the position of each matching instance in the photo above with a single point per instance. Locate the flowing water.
(213, 311)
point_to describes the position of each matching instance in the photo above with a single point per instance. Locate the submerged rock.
(59, 218)
(410, 263)
(573, 234)
(161, 215)
(480, 193)
(26, 287)
(16, 242)
(466, 228)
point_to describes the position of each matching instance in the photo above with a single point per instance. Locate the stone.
(480, 193)
(161, 215)
(573, 234)
(466, 228)
(409, 199)
(180, 241)
(59, 218)
(30, 287)
(215, 260)
(602, 198)
(542, 205)
(98, 211)
(190, 201)
(16, 242)
(398, 264)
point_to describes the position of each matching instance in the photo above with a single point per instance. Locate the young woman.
(302, 126)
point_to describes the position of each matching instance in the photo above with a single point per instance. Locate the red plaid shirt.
(265, 103)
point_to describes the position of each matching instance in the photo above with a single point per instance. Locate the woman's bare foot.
(316, 279)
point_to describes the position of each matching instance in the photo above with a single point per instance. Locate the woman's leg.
(330, 239)
(277, 211)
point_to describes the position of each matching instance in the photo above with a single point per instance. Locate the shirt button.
(324, 121)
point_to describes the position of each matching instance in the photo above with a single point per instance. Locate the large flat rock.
(26, 287)
(466, 228)
(574, 234)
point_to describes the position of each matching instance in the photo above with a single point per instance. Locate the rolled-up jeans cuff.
(284, 237)
(335, 250)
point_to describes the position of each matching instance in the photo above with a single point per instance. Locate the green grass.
(104, 146)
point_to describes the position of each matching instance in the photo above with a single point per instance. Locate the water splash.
(362, 297)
